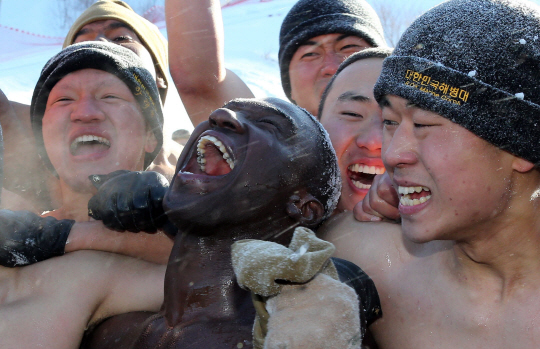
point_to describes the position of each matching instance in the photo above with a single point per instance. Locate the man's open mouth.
(89, 144)
(212, 158)
(362, 175)
(412, 196)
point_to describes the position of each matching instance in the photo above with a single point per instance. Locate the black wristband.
(26, 238)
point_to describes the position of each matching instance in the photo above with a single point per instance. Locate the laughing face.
(93, 124)
(242, 165)
(352, 117)
(451, 183)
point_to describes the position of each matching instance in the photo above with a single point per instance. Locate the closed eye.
(122, 39)
(387, 122)
(351, 114)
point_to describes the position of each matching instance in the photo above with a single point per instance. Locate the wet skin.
(95, 103)
(260, 198)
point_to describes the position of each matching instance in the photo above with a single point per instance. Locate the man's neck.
(74, 204)
(504, 251)
(200, 281)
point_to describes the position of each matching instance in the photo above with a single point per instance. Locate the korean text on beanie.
(476, 63)
(310, 18)
(113, 59)
(147, 32)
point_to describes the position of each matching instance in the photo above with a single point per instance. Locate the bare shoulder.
(364, 243)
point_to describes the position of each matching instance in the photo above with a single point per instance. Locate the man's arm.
(24, 173)
(130, 285)
(50, 304)
(154, 248)
(196, 59)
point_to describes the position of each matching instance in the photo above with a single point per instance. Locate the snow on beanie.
(113, 59)
(310, 18)
(477, 63)
(147, 32)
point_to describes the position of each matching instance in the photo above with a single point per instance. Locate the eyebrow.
(351, 96)
(315, 43)
(113, 25)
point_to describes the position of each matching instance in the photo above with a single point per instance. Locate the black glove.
(26, 238)
(129, 200)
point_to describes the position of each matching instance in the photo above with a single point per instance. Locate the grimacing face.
(245, 161)
(441, 170)
(92, 123)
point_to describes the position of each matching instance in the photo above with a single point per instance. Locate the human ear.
(160, 82)
(305, 209)
(522, 165)
(151, 142)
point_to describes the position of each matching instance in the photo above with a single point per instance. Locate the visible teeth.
(366, 169)
(406, 201)
(201, 150)
(410, 190)
(89, 138)
(361, 185)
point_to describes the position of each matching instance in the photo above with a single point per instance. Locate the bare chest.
(436, 315)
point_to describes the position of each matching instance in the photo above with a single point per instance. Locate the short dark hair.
(375, 52)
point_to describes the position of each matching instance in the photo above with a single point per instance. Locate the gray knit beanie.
(477, 63)
(112, 58)
(310, 18)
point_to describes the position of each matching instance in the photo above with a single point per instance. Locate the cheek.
(301, 74)
(339, 135)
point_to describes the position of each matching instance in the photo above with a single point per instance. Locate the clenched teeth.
(201, 149)
(405, 198)
(366, 169)
(410, 190)
(360, 185)
(88, 138)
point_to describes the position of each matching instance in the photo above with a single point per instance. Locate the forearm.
(196, 57)
(154, 248)
(24, 173)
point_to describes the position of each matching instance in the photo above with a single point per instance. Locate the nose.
(331, 62)
(399, 148)
(226, 118)
(86, 110)
(370, 137)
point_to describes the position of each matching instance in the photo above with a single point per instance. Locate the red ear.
(522, 165)
(305, 209)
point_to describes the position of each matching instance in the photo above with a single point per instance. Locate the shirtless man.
(50, 304)
(95, 109)
(106, 20)
(316, 36)
(243, 174)
(352, 117)
(462, 269)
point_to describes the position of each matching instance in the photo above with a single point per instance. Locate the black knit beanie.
(113, 59)
(310, 18)
(477, 63)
